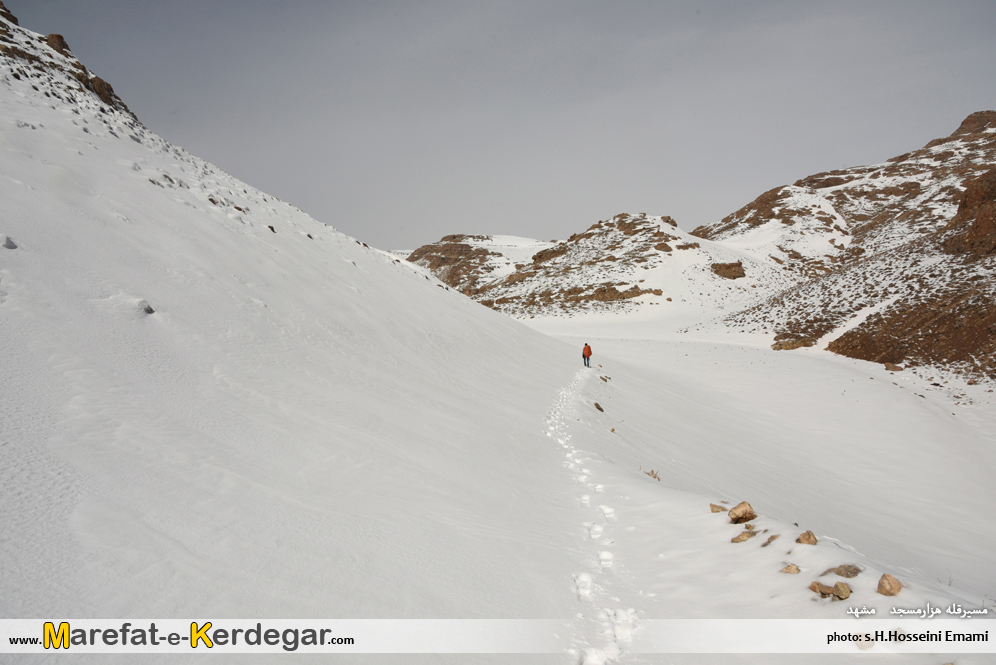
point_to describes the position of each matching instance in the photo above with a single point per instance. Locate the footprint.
(585, 498)
(608, 541)
(583, 585)
(599, 488)
(623, 624)
(605, 558)
(608, 512)
(595, 530)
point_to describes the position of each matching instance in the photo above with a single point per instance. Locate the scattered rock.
(889, 585)
(749, 527)
(841, 591)
(791, 569)
(272, 229)
(146, 307)
(8, 243)
(808, 538)
(604, 379)
(743, 537)
(599, 407)
(822, 589)
(771, 539)
(846, 570)
(742, 512)
(713, 508)
(893, 368)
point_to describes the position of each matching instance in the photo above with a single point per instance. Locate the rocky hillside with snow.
(871, 262)
(620, 264)
(910, 281)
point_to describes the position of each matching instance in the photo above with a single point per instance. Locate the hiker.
(586, 354)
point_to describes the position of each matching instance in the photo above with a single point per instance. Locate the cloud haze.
(401, 122)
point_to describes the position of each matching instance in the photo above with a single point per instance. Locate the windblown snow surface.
(203, 415)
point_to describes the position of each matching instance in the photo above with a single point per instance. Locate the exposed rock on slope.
(616, 264)
(30, 57)
(464, 261)
(915, 283)
(833, 218)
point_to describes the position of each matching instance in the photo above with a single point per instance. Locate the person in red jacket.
(586, 354)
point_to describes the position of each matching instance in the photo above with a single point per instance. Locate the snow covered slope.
(214, 403)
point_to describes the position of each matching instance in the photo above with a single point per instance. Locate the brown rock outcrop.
(789, 344)
(974, 225)
(713, 508)
(58, 43)
(454, 262)
(791, 569)
(5, 13)
(729, 270)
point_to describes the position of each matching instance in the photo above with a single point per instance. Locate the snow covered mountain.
(213, 404)
(863, 261)
(621, 264)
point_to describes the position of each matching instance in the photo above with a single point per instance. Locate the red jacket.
(587, 351)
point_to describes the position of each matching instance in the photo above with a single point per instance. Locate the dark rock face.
(58, 43)
(454, 262)
(975, 224)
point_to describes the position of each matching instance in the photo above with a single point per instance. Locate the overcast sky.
(400, 122)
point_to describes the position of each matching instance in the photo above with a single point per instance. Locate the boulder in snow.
(889, 585)
(742, 512)
(808, 538)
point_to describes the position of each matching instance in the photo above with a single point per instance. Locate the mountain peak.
(976, 123)
(6, 15)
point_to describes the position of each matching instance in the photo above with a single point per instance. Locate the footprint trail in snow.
(613, 626)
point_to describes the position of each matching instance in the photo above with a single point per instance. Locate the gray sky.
(399, 122)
